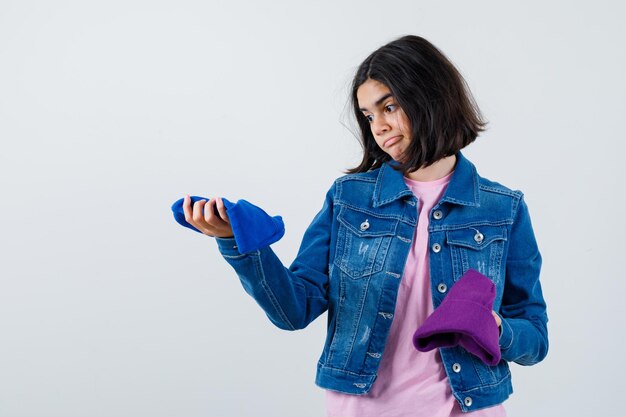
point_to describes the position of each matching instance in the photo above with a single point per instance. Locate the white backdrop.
(112, 110)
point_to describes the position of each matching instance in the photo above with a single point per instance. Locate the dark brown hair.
(433, 94)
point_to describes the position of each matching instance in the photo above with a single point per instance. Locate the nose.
(380, 126)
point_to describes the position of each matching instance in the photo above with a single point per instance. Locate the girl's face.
(390, 126)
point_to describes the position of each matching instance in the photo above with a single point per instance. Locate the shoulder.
(369, 176)
(499, 193)
(359, 182)
(485, 185)
(349, 184)
(358, 189)
(489, 186)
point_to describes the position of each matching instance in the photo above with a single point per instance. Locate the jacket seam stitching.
(448, 228)
(355, 178)
(270, 294)
(324, 366)
(512, 337)
(502, 191)
(490, 385)
(377, 215)
(242, 255)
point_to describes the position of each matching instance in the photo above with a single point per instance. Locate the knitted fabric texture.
(252, 227)
(464, 318)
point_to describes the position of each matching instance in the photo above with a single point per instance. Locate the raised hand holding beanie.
(464, 318)
(252, 227)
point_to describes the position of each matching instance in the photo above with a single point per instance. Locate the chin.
(397, 157)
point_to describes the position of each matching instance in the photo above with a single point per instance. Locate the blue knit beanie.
(252, 227)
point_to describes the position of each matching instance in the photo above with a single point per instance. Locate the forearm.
(524, 337)
(290, 297)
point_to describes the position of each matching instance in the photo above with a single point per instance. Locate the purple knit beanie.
(464, 318)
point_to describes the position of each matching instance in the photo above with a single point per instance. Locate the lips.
(389, 142)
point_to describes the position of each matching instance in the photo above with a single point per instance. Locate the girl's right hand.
(203, 217)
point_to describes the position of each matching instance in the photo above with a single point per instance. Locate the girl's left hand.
(498, 319)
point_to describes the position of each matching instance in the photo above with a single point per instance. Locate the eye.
(369, 118)
(390, 107)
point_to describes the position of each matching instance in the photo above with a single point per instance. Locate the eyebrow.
(379, 101)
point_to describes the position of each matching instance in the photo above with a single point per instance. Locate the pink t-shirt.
(410, 383)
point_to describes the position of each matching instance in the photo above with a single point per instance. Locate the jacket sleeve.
(291, 297)
(524, 337)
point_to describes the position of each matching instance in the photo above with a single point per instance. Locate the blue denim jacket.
(352, 258)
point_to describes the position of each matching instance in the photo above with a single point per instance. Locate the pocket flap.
(365, 224)
(476, 237)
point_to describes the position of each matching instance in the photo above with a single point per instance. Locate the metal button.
(437, 214)
(468, 401)
(442, 288)
(436, 247)
(478, 237)
(365, 225)
(456, 368)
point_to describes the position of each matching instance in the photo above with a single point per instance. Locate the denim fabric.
(351, 261)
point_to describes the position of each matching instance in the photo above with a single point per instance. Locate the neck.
(433, 172)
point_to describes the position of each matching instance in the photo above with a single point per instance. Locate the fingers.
(197, 212)
(209, 213)
(497, 318)
(209, 217)
(222, 210)
(187, 208)
(194, 214)
(216, 217)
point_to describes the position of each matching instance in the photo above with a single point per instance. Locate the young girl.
(392, 238)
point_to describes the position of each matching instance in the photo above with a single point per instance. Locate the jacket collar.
(462, 189)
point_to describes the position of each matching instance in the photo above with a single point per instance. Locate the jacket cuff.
(506, 337)
(227, 246)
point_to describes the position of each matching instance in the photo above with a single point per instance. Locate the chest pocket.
(362, 242)
(480, 248)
